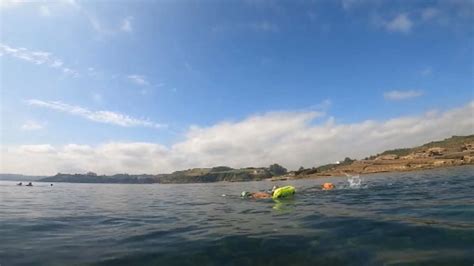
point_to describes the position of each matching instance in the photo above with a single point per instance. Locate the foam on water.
(354, 181)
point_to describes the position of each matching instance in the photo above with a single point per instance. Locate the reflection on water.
(284, 205)
(423, 218)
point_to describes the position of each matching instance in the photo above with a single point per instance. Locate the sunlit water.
(416, 218)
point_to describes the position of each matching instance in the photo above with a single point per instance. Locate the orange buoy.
(328, 186)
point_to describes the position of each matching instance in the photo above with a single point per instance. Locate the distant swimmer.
(51, 184)
(19, 184)
(258, 195)
(29, 184)
(328, 186)
(275, 193)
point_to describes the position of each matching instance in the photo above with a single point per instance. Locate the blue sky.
(169, 73)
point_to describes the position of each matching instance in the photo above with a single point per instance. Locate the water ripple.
(422, 218)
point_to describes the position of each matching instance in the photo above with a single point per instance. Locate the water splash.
(354, 181)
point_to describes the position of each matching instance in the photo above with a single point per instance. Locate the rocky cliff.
(454, 151)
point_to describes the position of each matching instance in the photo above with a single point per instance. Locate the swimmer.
(29, 184)
(258, 195)
(19, 184)
(328, 186)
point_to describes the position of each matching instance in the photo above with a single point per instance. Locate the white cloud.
(44, 11)
(101, 26)
(455, 14)
(138, 79)
(109, 158)
(289, 138)
(324, 105)
(57, 63)
(38, 58)
(10, 3)
(127, 24)
(400, 23)
(75, 148)
(397, 95)
(32, 125)
(35, 149)
(107, 117)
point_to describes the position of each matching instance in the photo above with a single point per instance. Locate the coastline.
(385, 172)
(450, 152)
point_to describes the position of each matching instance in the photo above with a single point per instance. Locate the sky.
(157, 86)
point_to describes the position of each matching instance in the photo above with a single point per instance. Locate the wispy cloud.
(265, 26)
(348, 4)
(96, 24)
(103, 28)
(429, 13)
(107, 117)
(400, 23)
(427, 71)
(323, 106)
(397, 95)
(138, 79)
(99, 24)
(447, 14)
(38, 58)
(127, 24)
(289, 138)
(32, 125)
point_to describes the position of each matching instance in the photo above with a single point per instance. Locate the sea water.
(413, 218)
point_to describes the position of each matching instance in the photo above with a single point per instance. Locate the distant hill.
(452, 144)
(16, 177)
(222, 173)
(196, 175)
(454, 151)
(93, 178)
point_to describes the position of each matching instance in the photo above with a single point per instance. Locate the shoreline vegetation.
(454, 151)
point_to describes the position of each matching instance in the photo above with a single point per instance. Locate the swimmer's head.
(245, 194)
(328, 186)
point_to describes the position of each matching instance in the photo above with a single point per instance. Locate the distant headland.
(454, 151)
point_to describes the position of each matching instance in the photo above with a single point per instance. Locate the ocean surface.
(414, 218)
